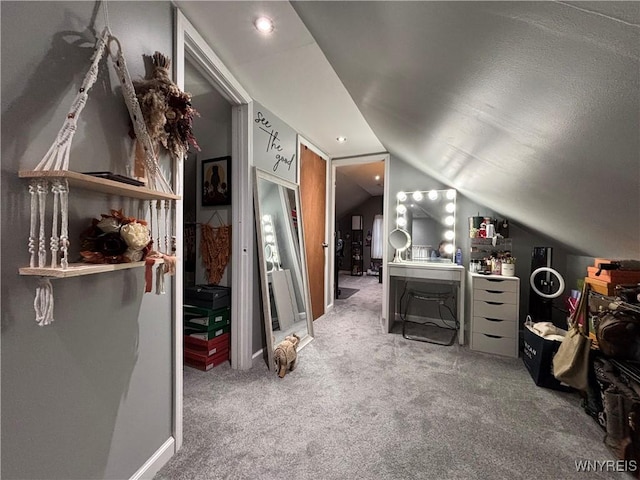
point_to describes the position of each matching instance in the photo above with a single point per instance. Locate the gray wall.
(89, 396)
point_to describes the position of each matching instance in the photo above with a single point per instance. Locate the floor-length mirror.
(285, 293)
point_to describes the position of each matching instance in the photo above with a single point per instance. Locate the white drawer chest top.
(494, 314)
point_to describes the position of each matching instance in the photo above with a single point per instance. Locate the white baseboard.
(156, 461)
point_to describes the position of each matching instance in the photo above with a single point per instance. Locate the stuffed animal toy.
(285, 354)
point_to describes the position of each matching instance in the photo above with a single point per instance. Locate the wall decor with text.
(274, 145)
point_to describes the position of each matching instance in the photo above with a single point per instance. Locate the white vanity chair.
(418, 272)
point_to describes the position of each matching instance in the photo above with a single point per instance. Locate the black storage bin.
(538, 358)
(208, 296)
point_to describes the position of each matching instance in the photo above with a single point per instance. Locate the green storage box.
(204, 319)
(205, 334)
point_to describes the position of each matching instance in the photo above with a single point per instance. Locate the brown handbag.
(618, 334)
(571, 361)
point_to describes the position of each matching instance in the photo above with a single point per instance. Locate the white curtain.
(376, 237)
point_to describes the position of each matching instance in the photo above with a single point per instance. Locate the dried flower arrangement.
(167, 110)
(115, 238)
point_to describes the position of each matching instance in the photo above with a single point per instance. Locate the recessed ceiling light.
(341, 139)
(264, 25)
(377, 177)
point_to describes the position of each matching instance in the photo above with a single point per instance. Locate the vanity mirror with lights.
(424, 239)
(285, 291)
(426, 222)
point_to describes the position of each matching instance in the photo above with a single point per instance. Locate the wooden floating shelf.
(80, 269)
(97, 184)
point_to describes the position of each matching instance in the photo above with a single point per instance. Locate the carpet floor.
(364, 404)
(347, 292)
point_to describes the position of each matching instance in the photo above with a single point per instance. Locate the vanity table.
(427, 272)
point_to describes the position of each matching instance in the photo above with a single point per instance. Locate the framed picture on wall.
(216, 181)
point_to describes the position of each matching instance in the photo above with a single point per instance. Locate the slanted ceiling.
(529, 108)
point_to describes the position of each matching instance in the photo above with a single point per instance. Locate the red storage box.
(209, 347)
(205, 362)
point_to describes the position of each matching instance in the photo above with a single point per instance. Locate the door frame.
(358, 160)
(301, 140)
(187, 39)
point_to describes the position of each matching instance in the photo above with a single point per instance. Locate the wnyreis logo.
(606, 466)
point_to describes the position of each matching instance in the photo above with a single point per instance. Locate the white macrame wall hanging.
(56, 160)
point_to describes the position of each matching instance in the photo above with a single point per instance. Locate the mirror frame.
(264, 283)
(405, 197)
(399, 250)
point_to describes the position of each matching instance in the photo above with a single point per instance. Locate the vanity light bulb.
(402, 222)
(401, 196)
(451, 194)
(417, 196)
(268, 228)
(269, 238)
(450, 207)
(448, 248)
(401, 209)
(449, 235)
(266, 218)
(449, 220)
(433, 195)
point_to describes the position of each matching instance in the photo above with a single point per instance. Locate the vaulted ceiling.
(529, 108)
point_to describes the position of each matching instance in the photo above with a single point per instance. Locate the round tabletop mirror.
(400, 240)
(268, 253)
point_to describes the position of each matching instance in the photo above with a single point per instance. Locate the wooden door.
(313, 188)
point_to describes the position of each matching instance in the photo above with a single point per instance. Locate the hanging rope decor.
(60, 190)
(215, 249)
(167, 247)
(159, 220)
(156, 180)
(43, 303)
(33, 186)
(57, 159)
(42, 203)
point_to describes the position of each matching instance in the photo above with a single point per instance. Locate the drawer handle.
(494, 319)
(495, 291)
(494, 303)
(491, 336)
(495, 280)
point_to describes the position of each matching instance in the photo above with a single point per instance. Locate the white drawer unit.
(495, 303)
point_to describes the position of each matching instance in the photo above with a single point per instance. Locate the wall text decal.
(274, 145)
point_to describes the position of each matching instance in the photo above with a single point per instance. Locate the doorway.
(191, 51)
(313, 188)
(359, 225)
(213, 133)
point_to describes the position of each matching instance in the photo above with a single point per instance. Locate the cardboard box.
(615, 276)
(600, 286)
(598, 261)
(205, 362)
(211, 347)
